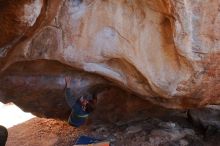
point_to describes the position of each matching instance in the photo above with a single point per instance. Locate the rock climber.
(3, 135)
(81, 107)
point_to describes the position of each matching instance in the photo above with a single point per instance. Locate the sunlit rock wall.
(164, 51)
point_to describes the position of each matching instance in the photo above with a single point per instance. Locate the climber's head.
(89, 101)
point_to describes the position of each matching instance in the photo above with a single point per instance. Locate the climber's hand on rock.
(68, 80)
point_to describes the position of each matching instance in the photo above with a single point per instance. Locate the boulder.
(208, 118)
(3, 135)
(163, 51)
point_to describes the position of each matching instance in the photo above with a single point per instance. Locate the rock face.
(3, 135)
(164, 51)
(206, 118)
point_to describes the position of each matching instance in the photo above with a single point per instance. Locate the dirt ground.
(146, 132)
(43, 132)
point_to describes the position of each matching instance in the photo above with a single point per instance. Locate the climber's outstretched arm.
(71, 100)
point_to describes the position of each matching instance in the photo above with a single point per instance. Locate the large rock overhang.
(166, 52)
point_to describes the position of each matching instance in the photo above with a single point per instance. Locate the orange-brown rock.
(164, 51)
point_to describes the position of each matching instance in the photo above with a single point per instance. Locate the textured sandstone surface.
(164, 51)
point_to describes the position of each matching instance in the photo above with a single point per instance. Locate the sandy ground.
(149, 132)
(27, 130)
(174, 131)
(43, 132)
